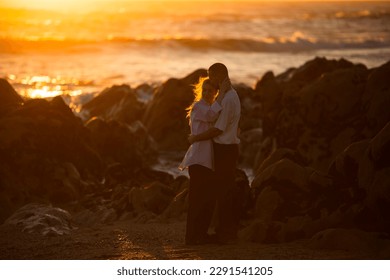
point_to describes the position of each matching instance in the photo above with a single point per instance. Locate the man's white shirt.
(229, 119)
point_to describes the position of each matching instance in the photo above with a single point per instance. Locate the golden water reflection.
(46, 86)
(41, 86)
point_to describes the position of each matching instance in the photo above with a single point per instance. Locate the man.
(225, 144)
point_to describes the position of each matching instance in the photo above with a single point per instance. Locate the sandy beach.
(129, 240)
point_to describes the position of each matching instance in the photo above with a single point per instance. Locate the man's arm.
(208, 134)
(225, 86)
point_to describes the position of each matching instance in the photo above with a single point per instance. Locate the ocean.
(45, 53)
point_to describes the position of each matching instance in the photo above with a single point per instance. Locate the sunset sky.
(60, 4)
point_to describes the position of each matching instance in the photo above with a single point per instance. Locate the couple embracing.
(211, 159)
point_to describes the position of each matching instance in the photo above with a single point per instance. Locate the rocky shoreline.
(317, 138)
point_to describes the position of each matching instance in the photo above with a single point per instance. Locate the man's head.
(218, 73)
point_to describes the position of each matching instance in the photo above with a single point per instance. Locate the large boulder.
(325, 116)
(374, 176)
(47, 129)
(38, 140)
(334, 98)
(128, 144)
(118, 103)
(315, 68)
(294, 80)
(251, 112)
(284, 170)
(9, 98)
(178, 207)
(328, 150)
(8, 95)
(361, 177)
(320, 108)
(41, 219)
(165, 115)
(153, 198)
(296, 202)
(352, 240)
(269, 92)
(319, 150)
(286, 189)
(277, 155)
(249, 145)
(99, 214)
(345, 168)
(377, 98)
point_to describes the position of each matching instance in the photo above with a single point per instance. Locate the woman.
(199, 159)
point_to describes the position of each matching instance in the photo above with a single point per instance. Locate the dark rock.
(243, 196)
(380, 148)
(39, 138)
(9, 98)
(278, 155)
(377, 98)
(154, 198)
(118, 103)
(315, 68)
(178, 207)
(42, 219)
(249, 145)
(287, 189)
(334, 98)
(263, 232)
(257, 232)
(345, 169)
(374, 176)
(165, 115)
(352, 240)
(250, 108)
(266, 147)
(322, 107)
(284, 170)
(99, 215)
(144, 92)
(129, 145)
(269, 92)
(179, 184)
(149, 175)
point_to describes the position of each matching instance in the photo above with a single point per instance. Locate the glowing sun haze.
(82, 4)
(49, 4)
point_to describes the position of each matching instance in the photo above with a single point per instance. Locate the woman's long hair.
(197, 94)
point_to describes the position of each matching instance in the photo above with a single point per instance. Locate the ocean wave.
(293, 44)
(361, 14)
(296, 45)
(348, 15)
(17, 46)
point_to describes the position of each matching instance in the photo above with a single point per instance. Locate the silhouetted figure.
(199, 159)
(225, 144)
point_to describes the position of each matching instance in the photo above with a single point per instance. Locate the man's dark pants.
(225, 162)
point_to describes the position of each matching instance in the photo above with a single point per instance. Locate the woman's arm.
(208, 134)
(207, 113)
